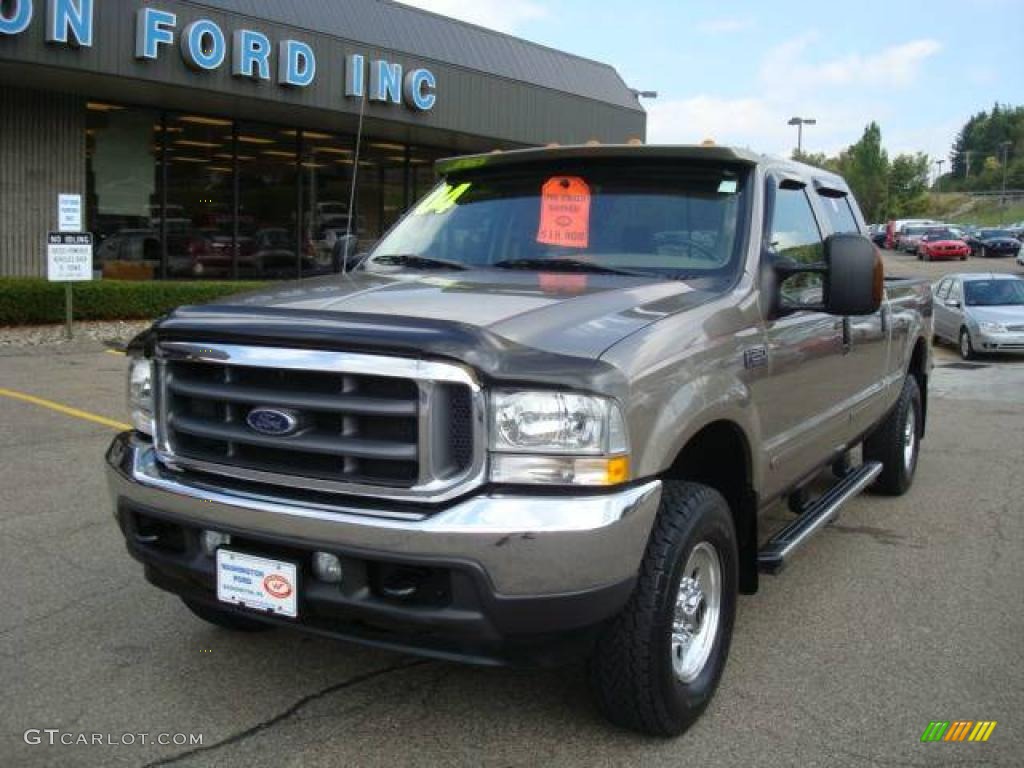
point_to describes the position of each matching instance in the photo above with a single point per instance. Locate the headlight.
(140, 394)
(992, 327)
(557, 438)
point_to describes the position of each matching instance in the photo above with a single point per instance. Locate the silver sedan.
(980, 312)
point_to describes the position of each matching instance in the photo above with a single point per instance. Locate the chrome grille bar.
(388, 427)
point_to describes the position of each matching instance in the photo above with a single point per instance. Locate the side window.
(955, 294)
(794, 235)
(840, 214)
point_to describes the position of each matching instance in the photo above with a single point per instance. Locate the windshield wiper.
(416, 262)
(563, 265)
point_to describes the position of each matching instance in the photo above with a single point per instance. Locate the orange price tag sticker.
(565, 212)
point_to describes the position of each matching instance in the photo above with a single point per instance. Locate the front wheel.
(658, 663)
(896, 442)
(966, 345)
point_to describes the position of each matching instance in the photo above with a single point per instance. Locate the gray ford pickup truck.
(539, 422)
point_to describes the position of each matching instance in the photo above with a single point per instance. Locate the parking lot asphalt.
(900, 264)
(905, 611)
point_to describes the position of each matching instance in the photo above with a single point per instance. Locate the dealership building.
(205, 138)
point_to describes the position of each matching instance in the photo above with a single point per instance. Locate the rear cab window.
(839, 213)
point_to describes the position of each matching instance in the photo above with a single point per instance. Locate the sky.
(736, 72)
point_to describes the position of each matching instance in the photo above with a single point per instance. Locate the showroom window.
(177, 195)
(122, 148)
(199, 181)
(326, 192)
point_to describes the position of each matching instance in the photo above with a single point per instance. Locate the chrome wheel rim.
(909, 439)
(697, 612)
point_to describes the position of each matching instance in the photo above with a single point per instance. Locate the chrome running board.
(772, 557)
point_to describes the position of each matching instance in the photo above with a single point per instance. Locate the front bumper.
(516, 568)
(999, 342)
(948, 255)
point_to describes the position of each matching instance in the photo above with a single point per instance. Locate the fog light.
(211, 540)
(327, 567)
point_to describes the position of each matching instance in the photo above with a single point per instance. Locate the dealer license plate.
(259, 583)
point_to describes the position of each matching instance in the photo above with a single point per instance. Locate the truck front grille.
(354, 423)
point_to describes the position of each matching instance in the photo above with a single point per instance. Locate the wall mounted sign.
(69, 213)
(205, 47)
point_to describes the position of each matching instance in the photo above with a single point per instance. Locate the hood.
(579, 315)
(1008, 315)
(947, 243)
(1000, 240)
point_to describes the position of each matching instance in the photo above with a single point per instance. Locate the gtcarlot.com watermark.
(55, 736)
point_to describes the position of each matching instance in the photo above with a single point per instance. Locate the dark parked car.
(993, 242)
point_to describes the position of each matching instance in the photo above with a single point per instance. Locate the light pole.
(1005, 146)
(800, 122)
(638, 94)
(938, 174)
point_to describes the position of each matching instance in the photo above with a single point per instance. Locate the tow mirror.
(852, 278)
(855, 280)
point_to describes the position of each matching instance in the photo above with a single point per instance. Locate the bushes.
(26, 301)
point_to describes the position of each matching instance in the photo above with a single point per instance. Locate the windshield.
(941, 234)
(990, 233)
(994, 293)
(682, 221)
(913, 231)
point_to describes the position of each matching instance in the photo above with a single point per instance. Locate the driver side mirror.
(853, 277)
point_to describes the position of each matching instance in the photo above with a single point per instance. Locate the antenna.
(352, 189)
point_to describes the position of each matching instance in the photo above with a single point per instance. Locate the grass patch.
(989, 213)
(35, 301)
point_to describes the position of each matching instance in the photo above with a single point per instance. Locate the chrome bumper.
(527, 545)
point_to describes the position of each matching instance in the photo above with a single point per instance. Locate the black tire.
(966, 345)
(225, 619)
(632, 668)
(887, 443)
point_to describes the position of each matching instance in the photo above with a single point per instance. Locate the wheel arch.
(918, 368)
(719, 455)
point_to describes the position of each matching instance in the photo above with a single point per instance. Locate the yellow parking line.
(65, 409)
(114, 352)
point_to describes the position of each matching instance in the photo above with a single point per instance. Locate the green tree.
(865, 166)
(977, 153)
(908, 186)
(817, 159)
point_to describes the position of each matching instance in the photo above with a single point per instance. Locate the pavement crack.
(881, 535)
(287, 713)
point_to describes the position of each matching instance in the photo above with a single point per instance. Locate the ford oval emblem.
(276, 422)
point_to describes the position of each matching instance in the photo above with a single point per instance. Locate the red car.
(938, 244)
